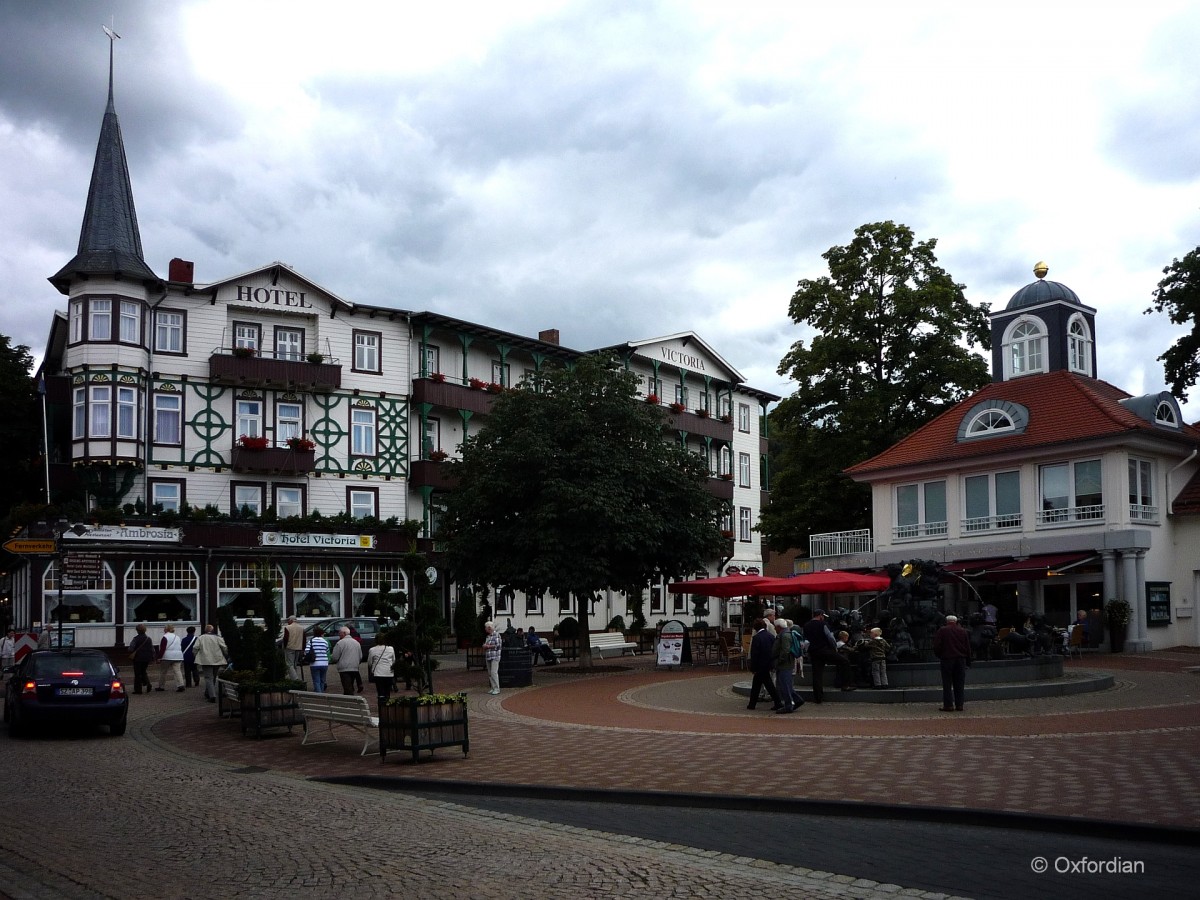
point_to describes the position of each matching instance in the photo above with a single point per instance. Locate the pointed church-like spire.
(109, 241)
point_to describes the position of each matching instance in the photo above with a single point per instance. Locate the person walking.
(952, 645)
(191, 674)
(211, 656)
(381, 662)
(783, 654)
(347, 657)
(293, 647)
(8, 649)
(822, 651)
(491, 656)
(761, 664)
(170, 657)
(319, 667)
(46, 638)
(141, 651)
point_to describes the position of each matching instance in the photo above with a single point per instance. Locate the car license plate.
(75, 692)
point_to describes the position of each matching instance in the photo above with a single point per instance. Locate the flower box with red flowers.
(439, 455)
(477, 383)
(727, 418)
(727, 534)
(495, 387)
(300, 443)
(677, 407)
(253, 443)
(726, 476)
(702, 413)
(437, 377)
(652, 398)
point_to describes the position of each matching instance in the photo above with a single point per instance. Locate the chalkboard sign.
(1158, 603)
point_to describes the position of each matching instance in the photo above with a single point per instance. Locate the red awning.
(827, 582)
(1044, 565)
(725, 586)
(973, 567)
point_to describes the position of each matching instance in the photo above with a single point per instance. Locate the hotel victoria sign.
(307, 539)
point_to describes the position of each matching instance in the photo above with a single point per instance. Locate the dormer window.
(1024, 348)
(1079, 346)
(993, 418)
(1165, 415)
(989, 421)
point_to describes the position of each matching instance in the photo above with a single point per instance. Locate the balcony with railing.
(1139, 512)
(980, 524)
(475, 395)
(262, 369)
(840, 543)
(918, 530)
(432, 473)
(273, 461)
(1071, 515)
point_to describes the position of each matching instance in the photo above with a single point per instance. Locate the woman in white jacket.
(170, 656)
(381, 663)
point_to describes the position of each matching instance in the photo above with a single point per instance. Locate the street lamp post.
(62, 527)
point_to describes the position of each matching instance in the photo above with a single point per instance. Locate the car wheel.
(116, 729)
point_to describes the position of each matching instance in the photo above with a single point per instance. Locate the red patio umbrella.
(828, 582)
(724, 586)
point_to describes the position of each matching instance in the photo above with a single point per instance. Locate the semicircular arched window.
(1079, 346)
(993, 418)
(990, 421)
(1165, 414)
(1025, 348)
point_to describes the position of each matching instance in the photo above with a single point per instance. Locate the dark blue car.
(65, 687)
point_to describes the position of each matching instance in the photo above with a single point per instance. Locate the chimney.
(549, 336)
(180, 270)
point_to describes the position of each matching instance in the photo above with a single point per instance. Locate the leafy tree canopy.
(1178, 294)
(571, 487)
(892, 349)
(20, 428)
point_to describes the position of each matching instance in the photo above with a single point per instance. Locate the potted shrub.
(316, 358)
(243, 352)
(439, 455)
(1116, 616)
(424, 722)
(253, 443)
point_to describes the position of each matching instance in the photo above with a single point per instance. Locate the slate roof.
(109, 241)
(1064, 408)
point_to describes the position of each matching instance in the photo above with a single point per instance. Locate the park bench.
(611, 643)
(229, 703)
(335, 709)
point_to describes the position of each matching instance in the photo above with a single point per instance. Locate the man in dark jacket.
(141, 651)
(822, 649)
(952, 645)
(762, 664)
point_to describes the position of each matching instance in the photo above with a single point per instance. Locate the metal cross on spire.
(113, 37)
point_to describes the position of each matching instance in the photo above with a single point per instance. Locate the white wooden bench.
(557, 651)
(336, 709)
(611, 643)
(229, 703)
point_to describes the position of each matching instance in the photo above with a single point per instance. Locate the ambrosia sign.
(265, 296)
(307, 539)
(125, 533)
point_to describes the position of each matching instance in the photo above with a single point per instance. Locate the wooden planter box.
(269, 709)
(414, 728)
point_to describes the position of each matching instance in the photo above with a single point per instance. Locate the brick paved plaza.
(186, 807)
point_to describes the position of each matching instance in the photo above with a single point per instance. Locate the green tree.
(572, 488)
(892, 349)
(20, 429)
(1178, 295)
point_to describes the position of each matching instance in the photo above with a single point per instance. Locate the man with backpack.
(785, 653)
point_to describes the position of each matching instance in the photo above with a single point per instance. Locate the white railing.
(919, 530)
(1071, 515)
(1141, 513)
(991, 523)
(839, 543)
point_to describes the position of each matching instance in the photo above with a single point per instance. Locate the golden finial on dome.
(1040, 269)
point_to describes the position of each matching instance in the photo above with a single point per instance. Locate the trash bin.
(516, 667)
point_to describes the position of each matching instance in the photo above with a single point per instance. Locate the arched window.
(1024, 348)
(1079, 346)
(990, 421)
(1165, 414)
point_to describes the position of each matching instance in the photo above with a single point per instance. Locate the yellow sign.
(20, 545)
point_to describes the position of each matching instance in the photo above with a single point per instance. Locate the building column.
(1139, 640)
(1109, 561)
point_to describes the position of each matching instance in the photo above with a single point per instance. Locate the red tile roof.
(1064, 408)
(1188, 501)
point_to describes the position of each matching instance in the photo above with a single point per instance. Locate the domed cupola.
(1044, 328)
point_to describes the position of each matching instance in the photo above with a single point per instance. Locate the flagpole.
(41, 386)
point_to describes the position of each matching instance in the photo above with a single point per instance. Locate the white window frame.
(100, 411)
(1142, 507)
(362, 432)
(79, 413)
(744, 523)
(744, 470)
(1074, 511)
(744, 417)
(76, 316)
(100, 319)
(249, 417)
(366, 351)
(1079, 346)
(991, 518)
(289, 421)
(1025, 347)
(130, 323)
(248, 496)
(926, 521)
(246, 336)
(501, 373)
(681, 395)
(166, 495)
(431, 440)
(362, 504)
(168, 419)
(127, 417)
(289, 344)
(433, 359)
(168, 331)
(289, 500)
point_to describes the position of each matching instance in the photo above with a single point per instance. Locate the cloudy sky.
(616, 170)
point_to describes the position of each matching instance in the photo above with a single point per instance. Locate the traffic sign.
(27, 545)
(83, 565)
